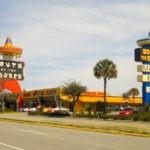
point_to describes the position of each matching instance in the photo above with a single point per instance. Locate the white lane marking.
(33, 132)
(10, 146)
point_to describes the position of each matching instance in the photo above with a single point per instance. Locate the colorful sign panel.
(11, 70)
(143, 68)
(148, 89)
(143, 78)
(142, 54)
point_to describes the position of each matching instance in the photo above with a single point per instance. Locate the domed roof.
(144, 42)
(9, 49)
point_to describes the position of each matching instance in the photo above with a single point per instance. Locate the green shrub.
(117, 117)
(127, 117)
(147, 118)
(147, 108)
(105, 117)
(48, 114)
(86, 115)
(80, 115)
(138, 117)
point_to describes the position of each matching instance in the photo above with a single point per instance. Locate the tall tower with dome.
(11, 71)
(142, 54)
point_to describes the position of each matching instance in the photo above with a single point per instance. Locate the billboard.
(12, 70)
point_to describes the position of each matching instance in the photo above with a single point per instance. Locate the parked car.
(26, 109)
(33, 109)
(61, 109)
(126, 111)
(122, 107)
(112, 107)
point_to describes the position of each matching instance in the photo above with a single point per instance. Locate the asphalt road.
(14, 136)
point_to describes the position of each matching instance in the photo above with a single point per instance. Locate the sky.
(63, 40)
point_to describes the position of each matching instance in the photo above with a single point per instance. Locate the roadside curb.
(74, 127)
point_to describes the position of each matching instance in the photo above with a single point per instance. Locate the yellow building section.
(116, 100)
(85, 98)
(111, 99)
(93, 97)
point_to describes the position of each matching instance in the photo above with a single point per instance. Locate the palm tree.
(74, 90)
(105, 69)
(133, 92)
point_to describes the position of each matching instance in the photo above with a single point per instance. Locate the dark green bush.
(139, 116)
(117, 117)
(145, 116)
(127, 117)
(84, 115)
(106, 117)
(136, 118)
(80, 115)
(48, 114)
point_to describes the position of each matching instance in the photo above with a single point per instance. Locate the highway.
(14, 136)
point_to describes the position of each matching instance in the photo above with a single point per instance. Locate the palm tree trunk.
(105, 100)
(73, 108)
(105, 90)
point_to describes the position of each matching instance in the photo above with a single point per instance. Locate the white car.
(122, 107)
(33, 109)
(26, 109)
(59, 109)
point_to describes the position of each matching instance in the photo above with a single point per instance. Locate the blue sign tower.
(142, 54)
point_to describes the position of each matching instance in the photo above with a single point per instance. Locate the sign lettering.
(142, 54)
(11, 70)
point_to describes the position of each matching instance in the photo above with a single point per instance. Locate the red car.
(126, 111)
